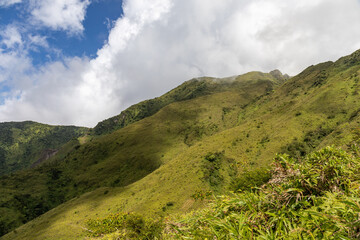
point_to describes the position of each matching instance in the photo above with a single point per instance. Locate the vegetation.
(315, 197)
(126, 226)
(128, 155)
(312, 198)
(310, 141)
(189, 90)
(22, 144)
(163, 163)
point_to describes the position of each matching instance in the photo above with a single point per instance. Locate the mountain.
(26, 144)
(156, 157)
(125, 156)
(191, 89)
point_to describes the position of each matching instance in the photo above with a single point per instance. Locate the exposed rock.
(45, 155)
(279, 76)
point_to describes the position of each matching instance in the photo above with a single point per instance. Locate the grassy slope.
(129, 154)
(22, 143)
(314, 197)
(188, 90)
(317, 107)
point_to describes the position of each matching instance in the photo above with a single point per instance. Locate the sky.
(77, 62)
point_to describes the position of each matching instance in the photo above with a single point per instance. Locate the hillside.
(214, 142)
(313, 197)
(129, 154)
(26, 144)
(190, 89)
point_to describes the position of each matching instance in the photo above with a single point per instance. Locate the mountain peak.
(350, 60)
(278, 75)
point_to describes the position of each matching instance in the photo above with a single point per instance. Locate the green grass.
(188, 90)
(316, 197)
(155, 165)
(128, 155)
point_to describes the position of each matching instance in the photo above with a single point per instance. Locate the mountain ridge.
(188, 90)
(214, 142)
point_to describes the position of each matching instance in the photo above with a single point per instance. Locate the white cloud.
(35, 41)
(10, 37)
(60, 14)
(13, 40)
(7, 3)
(14, 64)
(158, 44)
(14, 68)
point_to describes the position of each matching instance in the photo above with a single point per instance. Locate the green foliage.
(202, 195)
(211, 168)
(156, 152)
(250, 178)
(314, 198)
(327, 170)
(353, 59)
(188, 90)
(299, 148)
(29, 207)
(320, 79)
(128, 155)
(126, 226)
(22, 143)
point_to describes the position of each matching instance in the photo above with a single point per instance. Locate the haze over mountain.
(62, 62)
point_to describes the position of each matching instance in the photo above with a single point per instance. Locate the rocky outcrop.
(45, 155)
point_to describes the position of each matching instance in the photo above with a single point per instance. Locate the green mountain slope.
(221, 141)
(129, 154)
(25, 144)
(314, 197)
(191, 89)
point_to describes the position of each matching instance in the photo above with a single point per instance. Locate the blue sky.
(78, 62)
(100, 15)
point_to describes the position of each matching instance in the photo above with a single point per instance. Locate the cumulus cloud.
(7, 3)
(14, 68)
(158, 44)
(60, 14)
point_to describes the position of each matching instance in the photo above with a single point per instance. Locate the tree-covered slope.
(25, 144)
(216, 142)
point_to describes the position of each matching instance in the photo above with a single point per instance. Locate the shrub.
(299, 148)
(211, 167)
(249, 179)
(316, 197)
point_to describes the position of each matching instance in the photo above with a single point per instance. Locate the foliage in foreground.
(316, 197)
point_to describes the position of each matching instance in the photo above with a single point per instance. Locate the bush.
(299, 148)
(316, 197)
(211, 168)
(250, 179)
